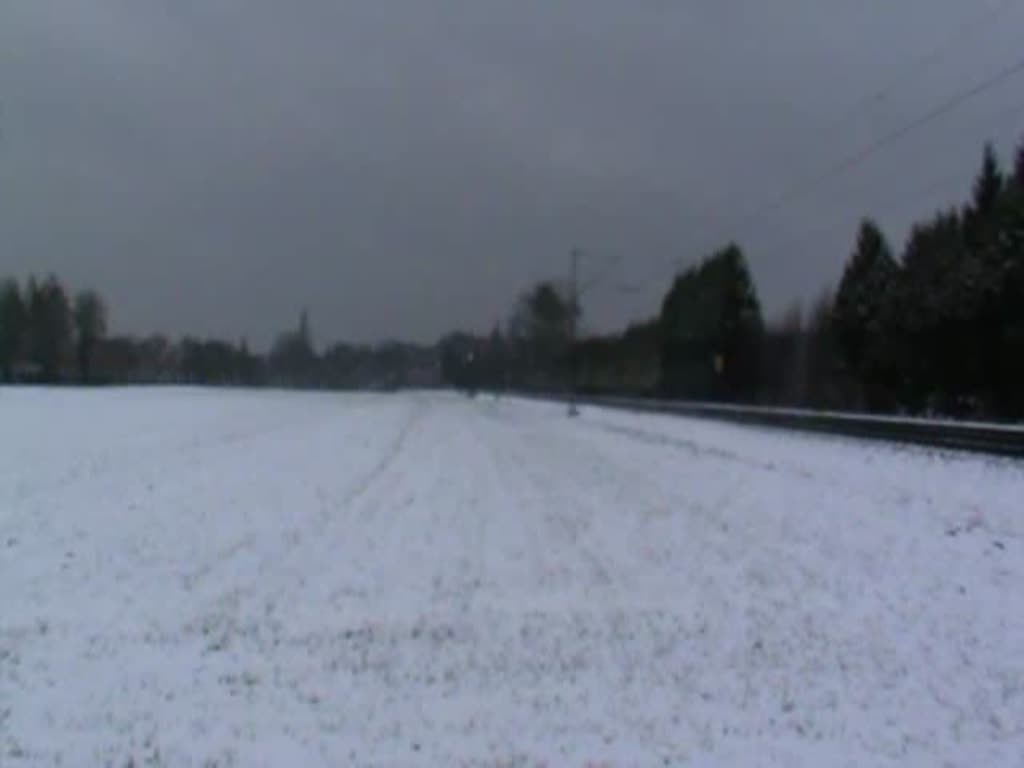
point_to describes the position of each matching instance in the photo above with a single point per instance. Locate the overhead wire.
(923, 192)
(876, 146)
(964, 32)
(872, 148)
(806, 186)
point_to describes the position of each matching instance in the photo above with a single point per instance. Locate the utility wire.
(850, 163)
(920, 193)
(948, 179)
(614, 260)
(964, 32)
(804, 187)
(801, 189)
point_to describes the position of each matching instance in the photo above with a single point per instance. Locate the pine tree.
(1018, 167)
(860, 309)
(292, 358)
(711, 328)
(822, 390)
(542, 321)
(984, 284)
(90, 318)
(49, 320)
(923, 315)
(496, 360)
(989, 184)
(1008, 261)
(985, 196)
(305, 334)
(12, 327)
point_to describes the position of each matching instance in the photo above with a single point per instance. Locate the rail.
(979, 437)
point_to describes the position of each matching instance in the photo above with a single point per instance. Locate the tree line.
(48, 337)
(44, 333)
(935, 329)
(532, 352)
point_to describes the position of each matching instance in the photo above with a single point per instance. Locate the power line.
(964, 32)
(806, 186)
(884, 141)
(937, 183)
(614, 260)
(920, 193)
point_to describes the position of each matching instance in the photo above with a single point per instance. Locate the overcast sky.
(406, 167)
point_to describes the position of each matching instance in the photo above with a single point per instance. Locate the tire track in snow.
(574, 470)
(410, 562)
(404, 596)
(554, 568)
(286, 570)
(771, 576)
(559, 482)
(721, 640)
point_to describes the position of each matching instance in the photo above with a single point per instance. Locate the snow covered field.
(194, 577)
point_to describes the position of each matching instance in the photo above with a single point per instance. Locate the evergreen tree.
(783, 359)
(305, 335)
(90, 318)
(989, 184)
(292, 358)
(1008, 260)
(925, 316)
(822, 356)
(1018, 168)
(12, 327)
(497, 360)
(462, 362)
(983, 284)
(543, 321)
(859, 313)
(711, 328)
(49, 326)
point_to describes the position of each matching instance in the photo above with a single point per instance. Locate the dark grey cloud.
(403, 168)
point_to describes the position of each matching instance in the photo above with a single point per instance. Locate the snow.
(195, 577)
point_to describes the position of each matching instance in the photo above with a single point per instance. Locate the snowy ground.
(196, 577)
